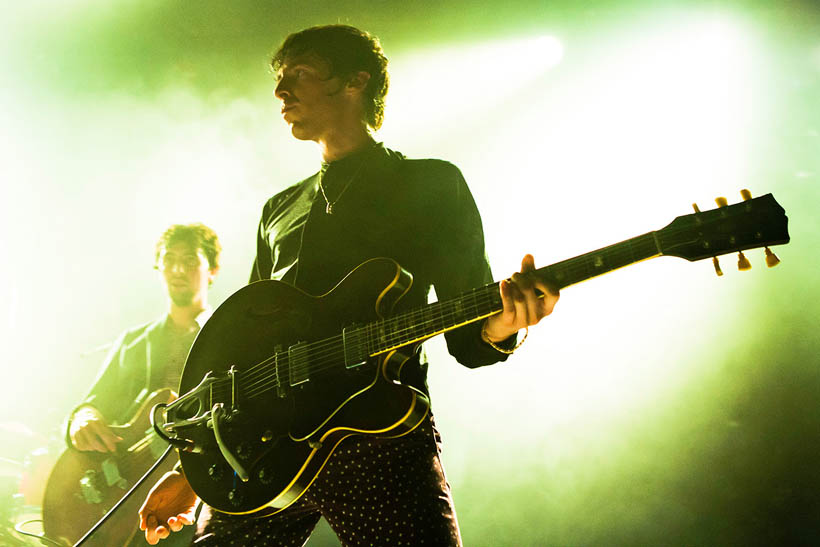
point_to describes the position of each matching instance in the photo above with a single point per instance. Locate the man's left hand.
(522, 307)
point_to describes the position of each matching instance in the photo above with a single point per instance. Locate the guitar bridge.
(233, 374)
(189, 410)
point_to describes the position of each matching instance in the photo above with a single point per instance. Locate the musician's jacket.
(142, 360)
(418, 212)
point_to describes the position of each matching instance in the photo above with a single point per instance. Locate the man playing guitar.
(151, 356)
(365, 201)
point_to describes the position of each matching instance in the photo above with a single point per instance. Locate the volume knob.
(216, 472)
(243, 450)
(235, 497)
(265, 475)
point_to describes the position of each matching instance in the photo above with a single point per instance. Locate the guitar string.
(316, 348)
(419, 319)
(572, 267)
(453, 303)
(626, 245)
(317, 359)
(334, 352)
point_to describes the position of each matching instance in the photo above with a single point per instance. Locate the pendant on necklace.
(329, 209)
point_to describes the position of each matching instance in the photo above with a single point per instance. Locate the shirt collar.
(353, 159)
(200, 319)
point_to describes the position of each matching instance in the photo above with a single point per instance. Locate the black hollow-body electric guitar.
(277, 377)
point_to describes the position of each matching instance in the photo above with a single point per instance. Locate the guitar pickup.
(354, 342)
(298, 363)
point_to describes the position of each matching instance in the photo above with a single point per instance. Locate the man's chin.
(182, 299)
(299, 132)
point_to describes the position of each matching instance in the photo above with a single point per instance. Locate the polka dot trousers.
(372, 492)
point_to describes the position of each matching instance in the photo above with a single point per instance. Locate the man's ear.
(212, 275)
(358, 81)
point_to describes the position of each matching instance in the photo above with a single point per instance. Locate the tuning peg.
(721, 202)
(696, 208)
(743, 262)
(716, 264)
(745, 194)
(771, 258)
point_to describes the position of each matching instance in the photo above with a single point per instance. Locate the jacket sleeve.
(106, 382)
(121, 376)
(463, 262)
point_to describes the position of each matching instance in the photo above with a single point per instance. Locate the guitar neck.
(474, 305)
(604, 260)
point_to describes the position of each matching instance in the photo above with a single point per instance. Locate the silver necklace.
(330, 204)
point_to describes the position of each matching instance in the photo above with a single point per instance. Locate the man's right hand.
(170, 505)
(89, 431)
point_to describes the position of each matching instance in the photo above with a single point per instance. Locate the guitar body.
(285, 427)
(84, 486)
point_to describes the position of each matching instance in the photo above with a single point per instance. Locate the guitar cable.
(42, 536)
(122, 500)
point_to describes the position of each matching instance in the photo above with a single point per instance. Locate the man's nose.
(281, 91)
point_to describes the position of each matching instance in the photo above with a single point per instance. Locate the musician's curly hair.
(197, 235)
(347, 50)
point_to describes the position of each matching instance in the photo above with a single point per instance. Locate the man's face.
(313, 103)
(186, 273)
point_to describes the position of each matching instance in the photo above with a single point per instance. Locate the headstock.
(750, 224)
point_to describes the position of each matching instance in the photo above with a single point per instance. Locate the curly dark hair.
(197, 235)
(347, 50)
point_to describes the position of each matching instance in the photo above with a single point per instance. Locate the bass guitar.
(277, 378)
(84, 486)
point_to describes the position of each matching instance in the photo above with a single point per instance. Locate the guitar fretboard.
(604, 260)
(357, 343)
(402, 329)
